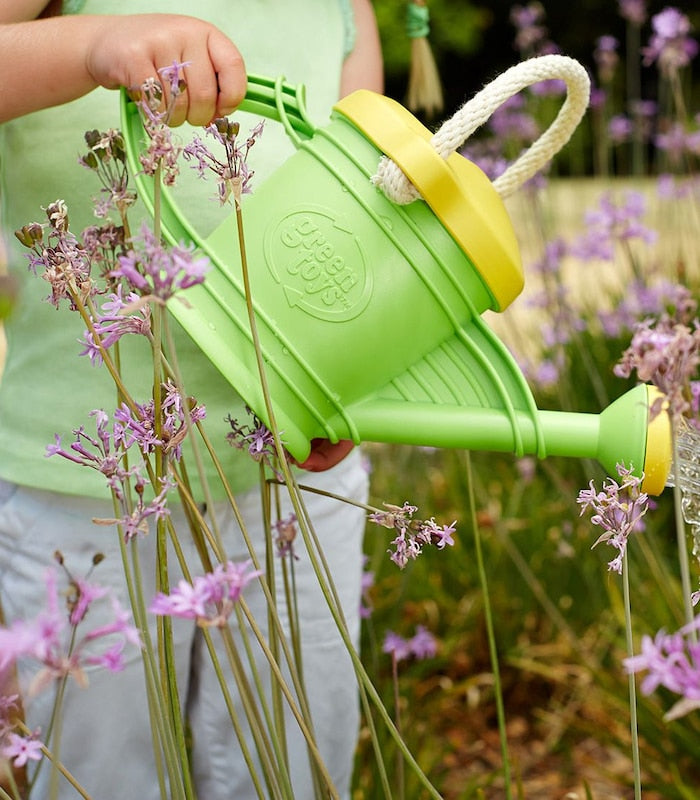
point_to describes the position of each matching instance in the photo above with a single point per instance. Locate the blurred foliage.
(456, 27)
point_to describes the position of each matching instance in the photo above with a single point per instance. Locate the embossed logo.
(317, 259)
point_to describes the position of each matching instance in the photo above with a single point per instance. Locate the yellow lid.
(657, 459)
(459, 193)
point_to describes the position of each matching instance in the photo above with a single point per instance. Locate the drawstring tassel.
(424, 87)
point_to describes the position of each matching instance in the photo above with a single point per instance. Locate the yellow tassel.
(424, 86)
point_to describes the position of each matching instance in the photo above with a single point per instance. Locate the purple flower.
(641, 300)
(606, 57)
(633, 11)
(667, 354)
(20, 749)
(413, 534)
(157, 271)
(162, 152)
(618, 510)
(610, 224)
(115, 322)
(677, 143)
(210, 598)
(60, 260)
(422, 645)
(670, 46)
(106, 157)
(673, 662)
(173, 76)
(510, 122)
(256, 438)
(51, 639)
(232, 171)
(531, 33)
(620, 129)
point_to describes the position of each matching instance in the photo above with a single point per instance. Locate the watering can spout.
(622, 434)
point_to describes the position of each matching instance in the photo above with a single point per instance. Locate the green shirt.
(47, 388)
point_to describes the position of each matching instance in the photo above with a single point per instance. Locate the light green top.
(46, 387)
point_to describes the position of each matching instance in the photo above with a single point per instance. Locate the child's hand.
(325, 455)
(127, 50)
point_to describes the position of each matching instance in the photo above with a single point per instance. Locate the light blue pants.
(106, 737)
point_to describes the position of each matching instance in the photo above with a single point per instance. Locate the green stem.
(57, 765)
(681, 539)
(400, 774)
(632, 686)
(493, 651)
(295, 499)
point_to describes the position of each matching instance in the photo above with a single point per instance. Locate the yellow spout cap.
(657, 459)
(457, 191)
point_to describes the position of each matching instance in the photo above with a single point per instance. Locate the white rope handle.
(474, 113)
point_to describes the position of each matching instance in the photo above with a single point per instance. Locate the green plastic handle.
(267, 97)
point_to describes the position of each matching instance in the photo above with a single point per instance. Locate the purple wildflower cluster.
(51, 639)
(209, 599)
(421, 645)
(413, 534)
(60, 259)
(105, 453)
(115, 321)
(634, 11)
(531, 37)
(254, 437)
(232, 171)
(665, 352)
(613, 224)
(671, 660)
(671, 46)
(642, 300)
(606, 58)
(106, 157)
(162, 153)
(157, 271)
(618, 510)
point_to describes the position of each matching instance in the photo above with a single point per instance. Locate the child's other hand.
(325, 454)
(127, 50)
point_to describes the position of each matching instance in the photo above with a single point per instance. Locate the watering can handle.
(475, 112)
(267, 97)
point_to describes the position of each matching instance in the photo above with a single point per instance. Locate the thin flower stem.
(239, 676)
(16, 794)
(632, 686)
(174, 370)
(277, 704)
(400, 775)
(57, 764)
(681, 539)
(157, 702)
(301, 721)
(493, 651)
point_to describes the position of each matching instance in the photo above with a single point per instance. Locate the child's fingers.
(229, 67)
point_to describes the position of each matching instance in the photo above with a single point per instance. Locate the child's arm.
(47, 62)
(363, 68)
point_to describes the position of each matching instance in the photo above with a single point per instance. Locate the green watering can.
(369, 311)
